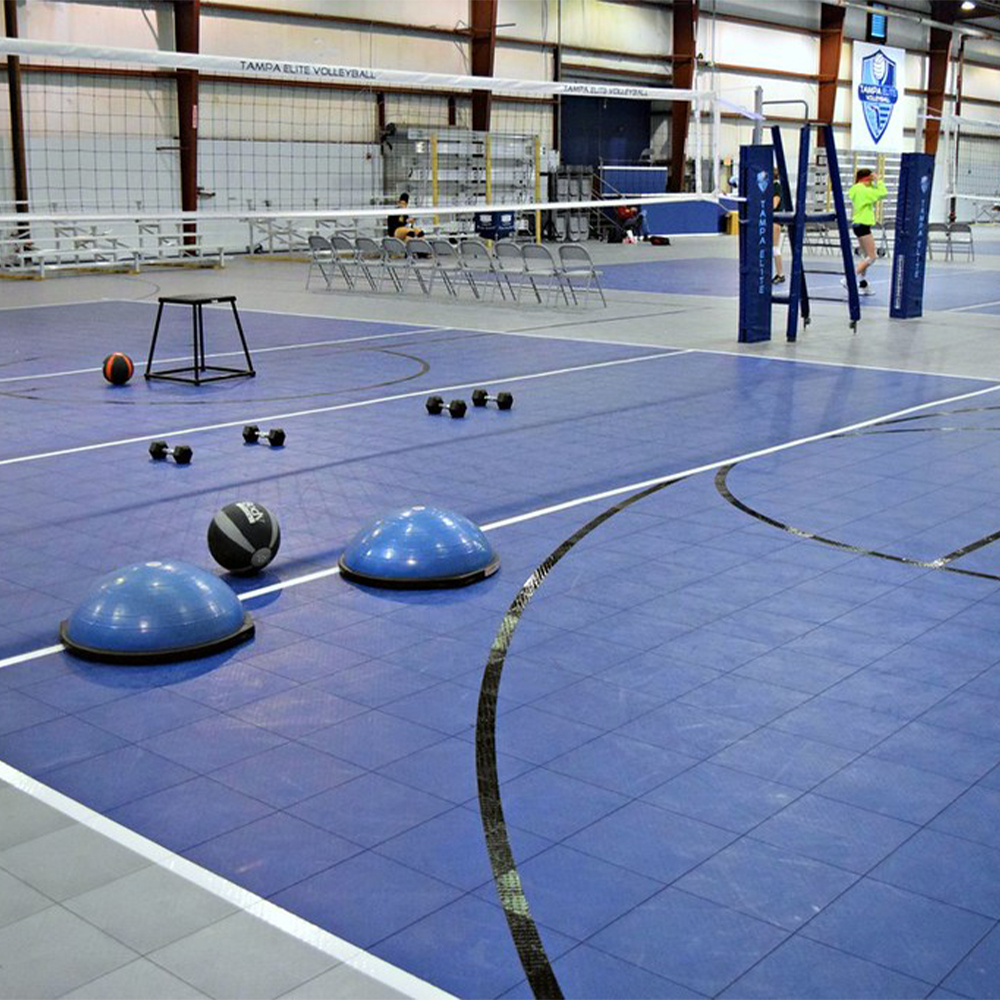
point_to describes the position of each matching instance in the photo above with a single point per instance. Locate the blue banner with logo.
(916, 179)
(756, 240)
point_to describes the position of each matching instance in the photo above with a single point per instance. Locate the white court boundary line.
(249, 902)
(540, 334)
(72, 302)
(591, 498)
(295, 926)
(259, 350)
(661, 353)
(978, 305)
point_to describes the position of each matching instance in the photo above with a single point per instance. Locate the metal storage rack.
(453, 166)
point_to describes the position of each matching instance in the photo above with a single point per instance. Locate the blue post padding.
(756, 239)
(839, 206)
(419, 547)
(909, 259)
(154, 611)
(798, 293)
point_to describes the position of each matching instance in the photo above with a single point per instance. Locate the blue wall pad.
(673, 219)
(419, 547)
(156, 611)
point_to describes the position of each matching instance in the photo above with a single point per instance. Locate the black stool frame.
(193, 374)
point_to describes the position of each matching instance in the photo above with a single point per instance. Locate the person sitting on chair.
(631, 222)
(400, 225)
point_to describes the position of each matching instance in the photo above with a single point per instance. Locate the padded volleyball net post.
(288, 148)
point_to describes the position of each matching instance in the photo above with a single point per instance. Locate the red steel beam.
(483, 21)
(937, 72)
(684, 55)
(20, 162)
(831, 44)
(186, 37)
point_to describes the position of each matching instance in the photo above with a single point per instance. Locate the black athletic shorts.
(862, 230)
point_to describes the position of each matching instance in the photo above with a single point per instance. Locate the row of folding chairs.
(950, 237)
(511, 269)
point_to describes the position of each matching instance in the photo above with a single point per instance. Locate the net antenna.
(285, 148)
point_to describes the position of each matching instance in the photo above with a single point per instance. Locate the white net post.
(715, 150)
(696, 108)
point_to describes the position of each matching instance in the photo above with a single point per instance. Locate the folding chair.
(421, 257)
(371, 258)
(938, 236)
(963, 231)
(345, 256)
(510, 263)
(321, 255)
(396, 261)
(476, 259)
(538, 263)
(576, 263)
(448, 265)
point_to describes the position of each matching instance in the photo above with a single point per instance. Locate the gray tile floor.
(82, 916)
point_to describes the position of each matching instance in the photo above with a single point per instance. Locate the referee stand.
(756, 217)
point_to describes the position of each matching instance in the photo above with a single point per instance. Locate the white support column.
(714, 151)
(696, 111)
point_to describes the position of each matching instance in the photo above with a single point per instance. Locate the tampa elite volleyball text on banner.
(877, 98)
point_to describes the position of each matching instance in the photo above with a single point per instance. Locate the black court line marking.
(528, 942)
(321, 574)
(591, 322)
(941, 413)
(423, 367)
(528, 332)
(941, 563)
(306, 345)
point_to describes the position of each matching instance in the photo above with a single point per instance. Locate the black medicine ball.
(244, 537)
(118, 368)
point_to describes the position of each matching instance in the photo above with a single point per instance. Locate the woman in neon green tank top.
(865, 194)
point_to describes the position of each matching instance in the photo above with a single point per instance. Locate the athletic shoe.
(866, 291)
(778, 279)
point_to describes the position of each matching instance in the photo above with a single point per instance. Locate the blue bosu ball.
(155, 612)
(419, 547)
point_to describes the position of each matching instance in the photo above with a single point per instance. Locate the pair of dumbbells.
(480, 398)
(181, 454)
(274, 437)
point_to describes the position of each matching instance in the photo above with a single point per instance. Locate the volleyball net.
(283, 148)
(971, 148)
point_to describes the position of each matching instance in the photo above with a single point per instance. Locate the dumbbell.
(275, 437)
(504, 400)
(159, 451)
(457, 407)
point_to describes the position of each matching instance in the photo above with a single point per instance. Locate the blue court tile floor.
(744, 740)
